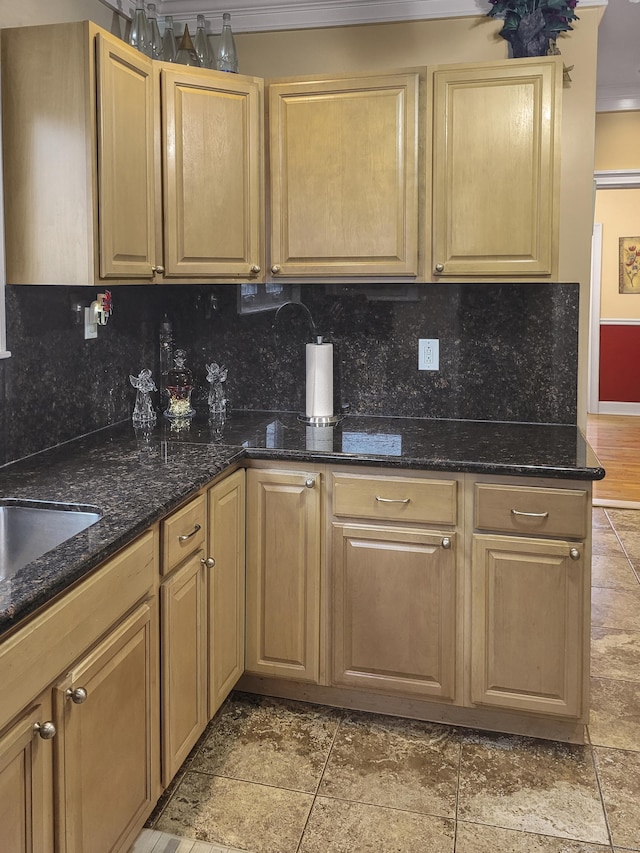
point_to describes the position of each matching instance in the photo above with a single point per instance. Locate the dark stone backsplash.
(508, 352)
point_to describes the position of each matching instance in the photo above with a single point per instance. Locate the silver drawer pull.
(186, 536)
(393, 500)
(530, 514)
(574, 554)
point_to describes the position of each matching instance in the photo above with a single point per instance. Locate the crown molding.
(612, 99)
(617, 179)
(265, 15)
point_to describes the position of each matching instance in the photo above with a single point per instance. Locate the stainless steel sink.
(28, 529)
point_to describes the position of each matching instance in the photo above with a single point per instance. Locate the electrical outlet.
(428, 354)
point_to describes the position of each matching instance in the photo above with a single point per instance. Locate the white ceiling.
(618, 83)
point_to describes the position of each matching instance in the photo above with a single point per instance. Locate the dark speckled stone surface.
(136, 479)
(508, 352)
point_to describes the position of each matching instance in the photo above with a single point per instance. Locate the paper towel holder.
(321, 420)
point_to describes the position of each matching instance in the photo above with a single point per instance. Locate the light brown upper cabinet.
(343, 181)
(212, 173)
(495, 169)
(90, 180)
(78, 156)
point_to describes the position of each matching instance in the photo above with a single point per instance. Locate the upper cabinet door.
(212, 173)
(344, 193)
(496, 134)
(126, 188)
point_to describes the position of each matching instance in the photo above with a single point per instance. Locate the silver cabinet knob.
(255, 269)
(159, 270)
(574, 554)
(439, 267)
(77, 695)
(310, 482)
(275, 269)
(446, 542)
(45, 730)
(208, 562)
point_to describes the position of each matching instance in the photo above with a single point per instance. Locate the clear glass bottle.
(139, 32)
(166, 354)
(169, 46)
(201, 44)
(155, 39)
(186, 54)
(226, 56)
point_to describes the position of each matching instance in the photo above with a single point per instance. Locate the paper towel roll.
(319, 381)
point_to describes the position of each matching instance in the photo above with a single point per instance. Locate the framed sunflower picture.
(629, 279)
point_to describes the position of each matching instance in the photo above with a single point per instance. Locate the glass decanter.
(179, 388)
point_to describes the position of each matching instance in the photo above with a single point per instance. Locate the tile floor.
(272, 776)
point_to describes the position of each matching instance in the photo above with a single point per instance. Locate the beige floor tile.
(624, 519)
(606, 542)
(530, 785)
(615, 713)
(476, 838)
(615, 653)
(271, 741)
(619, 774)
(238, 814)
(615, 608)
(631, 543)
(599, 518)
(387, 761)
(336, 826)
(613, 571)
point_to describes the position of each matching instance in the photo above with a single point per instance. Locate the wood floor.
(615, 440)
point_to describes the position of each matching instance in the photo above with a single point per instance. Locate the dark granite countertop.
(136, 478)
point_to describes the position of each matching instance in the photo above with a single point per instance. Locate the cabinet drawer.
(395, 498)
(183, 533)
(518, 509)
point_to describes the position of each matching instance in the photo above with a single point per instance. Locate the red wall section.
(620, 364)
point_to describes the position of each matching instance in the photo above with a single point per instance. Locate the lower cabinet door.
(283, 574)
(527, 629)
(394, 610)
(26, 782)
(106, 711)
(183, 617)
(226, 587)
